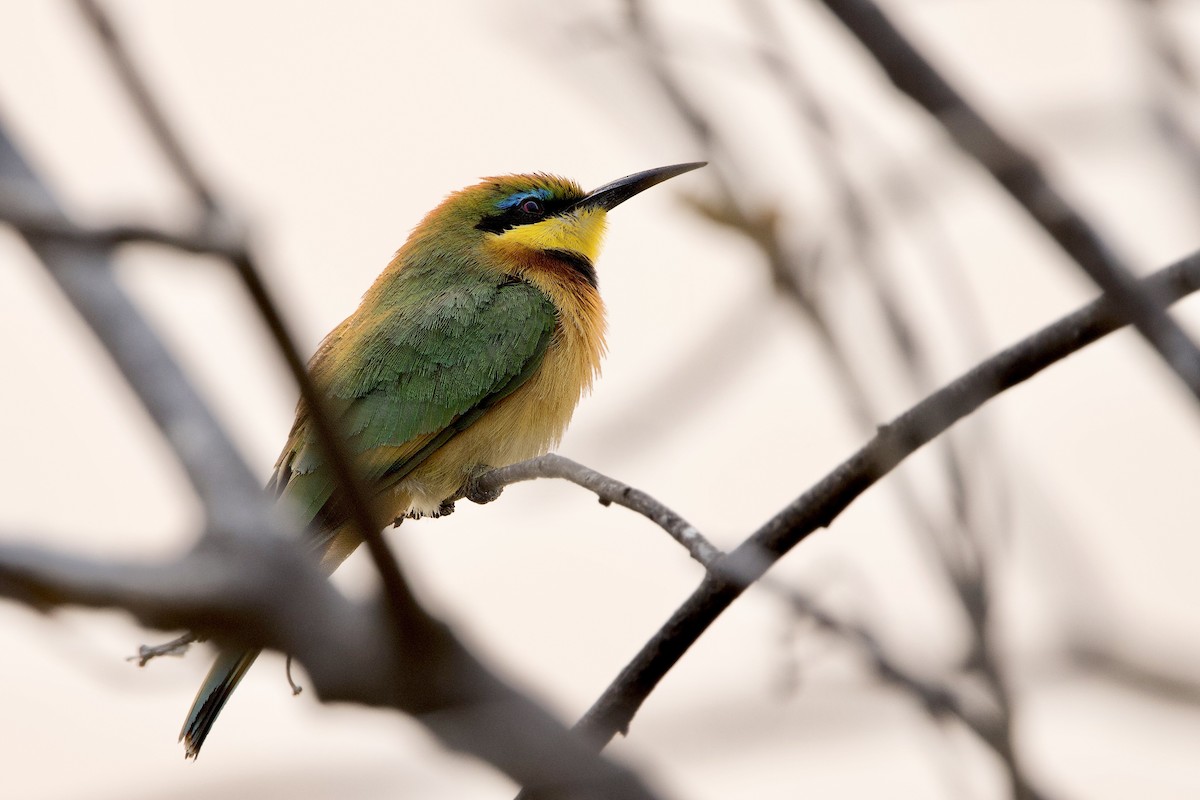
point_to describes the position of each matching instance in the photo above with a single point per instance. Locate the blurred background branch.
(242, 584)
(667, 49)
(888, 264)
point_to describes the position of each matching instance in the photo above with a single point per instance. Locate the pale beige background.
(334, 127)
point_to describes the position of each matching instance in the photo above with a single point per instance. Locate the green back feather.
(439, 347)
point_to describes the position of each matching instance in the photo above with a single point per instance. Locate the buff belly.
(527, 423)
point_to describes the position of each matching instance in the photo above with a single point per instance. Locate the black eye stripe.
(519, 215)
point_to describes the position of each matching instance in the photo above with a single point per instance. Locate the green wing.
(404, 378)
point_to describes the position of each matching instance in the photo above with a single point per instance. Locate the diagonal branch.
(820, 505)
(247, 583)
(436, 677)
(1022, 178)
(221, 478)
(936, 699)
(150, 112)
(266, 592)
(329, 438)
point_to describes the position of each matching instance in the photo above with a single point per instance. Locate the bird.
(470, 351)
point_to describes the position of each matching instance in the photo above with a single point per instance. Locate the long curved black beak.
(611, 195)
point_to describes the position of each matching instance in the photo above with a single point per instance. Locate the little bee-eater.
(469, 352)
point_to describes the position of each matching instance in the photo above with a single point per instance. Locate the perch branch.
(609, 490)
(937, 700)
(233, 585)
(820, 505)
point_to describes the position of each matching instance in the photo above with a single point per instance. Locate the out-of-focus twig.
(1171, 85)
(146, 107)
(248, 582)
(267, 592)
(937, 699)
(221, 478)
(35, 221)
(1158, 32)
(329, 438)
(1022, 177)
(960, 552)
(1135, 670)
(820, 505)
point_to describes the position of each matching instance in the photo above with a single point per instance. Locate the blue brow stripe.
(514, 200)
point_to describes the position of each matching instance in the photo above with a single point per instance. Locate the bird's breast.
(531, 420)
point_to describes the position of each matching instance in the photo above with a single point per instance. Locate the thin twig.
(963, 572)
(936, 699)
(821, 504)
(248, 582)
(150, 112)
(221, 478)
(296, 688)
(176, 647)
(609, 490)
(29, 220)
(1018, 173)
(329, 438)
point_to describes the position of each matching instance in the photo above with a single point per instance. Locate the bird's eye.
(532, 207)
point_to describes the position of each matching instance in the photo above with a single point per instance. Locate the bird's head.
(528, 219)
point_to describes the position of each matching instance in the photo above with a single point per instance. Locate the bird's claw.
(476, 493)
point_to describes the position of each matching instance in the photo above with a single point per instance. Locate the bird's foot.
(176, 647)
(474, 489)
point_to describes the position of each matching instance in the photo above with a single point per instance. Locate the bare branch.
(609, 490)
(330, 440)
(32, 221)
(937, 700)
(222, 479)
(961, 552)
(176, 647)
(247, 582)
(1022, 177)
(820, 505)
(147, 108)
(263, 592)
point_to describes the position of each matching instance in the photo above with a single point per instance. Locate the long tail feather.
(231, 665)
(222, 679)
